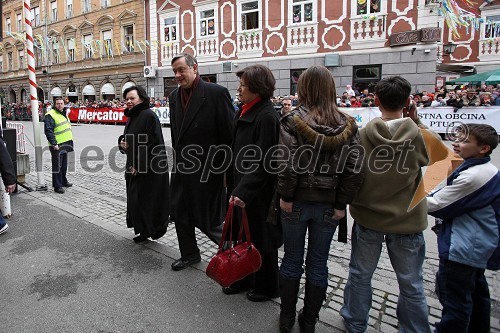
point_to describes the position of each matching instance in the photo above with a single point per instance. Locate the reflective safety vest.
(62, 129)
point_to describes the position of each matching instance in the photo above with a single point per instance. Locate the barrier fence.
(20, 138)
(439, 119)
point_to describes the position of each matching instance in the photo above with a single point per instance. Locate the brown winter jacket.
(323, 163)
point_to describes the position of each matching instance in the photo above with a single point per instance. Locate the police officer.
(60, 137)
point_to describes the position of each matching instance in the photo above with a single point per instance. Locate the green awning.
(490, 77)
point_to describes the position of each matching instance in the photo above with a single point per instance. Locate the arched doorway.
(24, 96)
(108, 91)
(127, 84)
(72, 93)
(88, 93)
(40, 94)
(55, 92)
(12, 96)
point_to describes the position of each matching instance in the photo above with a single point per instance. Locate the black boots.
(313, 300)
(289, 290)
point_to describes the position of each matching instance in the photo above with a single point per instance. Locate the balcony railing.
(368, 32)
(489, 49)
(249, 44)
(302, 38)
(207, 49)
(168, 51)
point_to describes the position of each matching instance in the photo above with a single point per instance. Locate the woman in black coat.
(146, 172)
(256, 132)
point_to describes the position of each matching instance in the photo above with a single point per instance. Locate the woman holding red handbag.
(256, 132)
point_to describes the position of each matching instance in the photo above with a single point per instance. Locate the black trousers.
(187, 239)
(59, 167)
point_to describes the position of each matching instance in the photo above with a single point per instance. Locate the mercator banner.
(111, 115)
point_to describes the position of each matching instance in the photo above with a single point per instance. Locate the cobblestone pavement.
(102, 195)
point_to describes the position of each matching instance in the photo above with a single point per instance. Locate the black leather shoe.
(59, 190)
(140, 238)
(233, 290)
(159, 234)
(68, 185)
(255, 296)
(181, 264)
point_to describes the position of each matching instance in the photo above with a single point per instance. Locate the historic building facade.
(351, 37)
(84, 49)
(477, 46)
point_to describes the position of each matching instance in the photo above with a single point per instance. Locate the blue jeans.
(464, 294)
(317, 218)
(406, 253)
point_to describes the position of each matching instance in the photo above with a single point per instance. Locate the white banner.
(163, 114)
(440, 119)
(443, 119)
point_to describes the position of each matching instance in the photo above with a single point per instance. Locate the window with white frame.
(87, 46)
(55, 52)
(8, 25)
(303, 11)
(9, 61)
(35, 16)
(86, 6)
(170, 29)
(19, 18)
(71, 49)
(249, 15)
(105, 3)
(53, 11)
(368, 7)
(107, 43)
(21, 59)
(128, 38)
(492, 27)
(1, 62)
(207, 23)
(69, 8)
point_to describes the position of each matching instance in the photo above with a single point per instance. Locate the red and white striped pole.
(41, 186)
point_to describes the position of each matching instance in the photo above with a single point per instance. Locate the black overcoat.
(255, 177)
(197, 195)
(148, 202)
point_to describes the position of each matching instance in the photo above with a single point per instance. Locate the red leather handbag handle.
(244, 226)
(228, 225)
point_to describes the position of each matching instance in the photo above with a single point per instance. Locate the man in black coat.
(201, 119)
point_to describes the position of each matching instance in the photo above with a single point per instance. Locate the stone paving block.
(392, 298)
(390, 320)
(378, 299)
(387, 328)
(374, 313)
(390, 311)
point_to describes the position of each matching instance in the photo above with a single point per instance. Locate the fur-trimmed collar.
(330, 137)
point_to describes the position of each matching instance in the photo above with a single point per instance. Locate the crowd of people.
(298, 197)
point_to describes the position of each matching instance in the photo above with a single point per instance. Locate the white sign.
(440, 119)
(163, 114)
(443, 119)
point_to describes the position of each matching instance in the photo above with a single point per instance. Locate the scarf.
(248, 106)
(187, 93)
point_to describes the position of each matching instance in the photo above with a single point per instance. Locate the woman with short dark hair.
(256, 132)
(146, 167)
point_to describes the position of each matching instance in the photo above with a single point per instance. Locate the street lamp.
(449, 49)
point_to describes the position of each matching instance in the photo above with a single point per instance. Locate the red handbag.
(238, 261)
